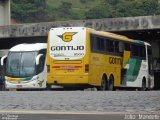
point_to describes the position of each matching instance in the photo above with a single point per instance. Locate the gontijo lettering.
(60, 48)
(113, 60)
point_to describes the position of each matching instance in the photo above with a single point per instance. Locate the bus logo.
(67, 36)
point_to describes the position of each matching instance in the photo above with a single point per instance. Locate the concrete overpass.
(138, 24)
(145, 28)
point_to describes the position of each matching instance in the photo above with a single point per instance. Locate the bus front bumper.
(31, 84)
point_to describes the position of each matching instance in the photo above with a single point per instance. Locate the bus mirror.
(2, 60)
(37, 58)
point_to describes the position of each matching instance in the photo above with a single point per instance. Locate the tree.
(149, 6)
(128, 8)
(100, 11)
(64, 11)
(29, 10)
(42, 10)
(112, 2)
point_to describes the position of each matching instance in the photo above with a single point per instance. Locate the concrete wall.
(108, 24)
(5, 12)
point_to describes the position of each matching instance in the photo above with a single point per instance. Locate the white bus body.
(25, 66)
(3, 52)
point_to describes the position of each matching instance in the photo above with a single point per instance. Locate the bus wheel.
(48, 87)
(111, 84)
(2, 87)
(143, 88)
(103, 86)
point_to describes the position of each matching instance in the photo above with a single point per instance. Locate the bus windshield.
(21, 64)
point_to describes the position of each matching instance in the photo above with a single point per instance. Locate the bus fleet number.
(78, 54)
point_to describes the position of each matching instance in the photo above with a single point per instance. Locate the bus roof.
(29, 47)
(110, 35)
(117, 36)
(107, 34)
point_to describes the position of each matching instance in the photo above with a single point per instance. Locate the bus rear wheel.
(104, 84)
(143, 88)
(111, 84)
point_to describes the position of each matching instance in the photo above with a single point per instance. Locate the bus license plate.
(70, 70)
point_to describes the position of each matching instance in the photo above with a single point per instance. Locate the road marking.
(72, 112)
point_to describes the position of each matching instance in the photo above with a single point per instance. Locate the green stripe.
(26, 79)
(134, 67)
(139, 42)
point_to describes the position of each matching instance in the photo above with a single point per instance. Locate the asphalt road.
(107, 101)
(98, 102)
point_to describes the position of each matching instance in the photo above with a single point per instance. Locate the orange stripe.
(66, 67)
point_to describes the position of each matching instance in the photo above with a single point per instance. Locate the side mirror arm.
(37, 58)
(2, 60)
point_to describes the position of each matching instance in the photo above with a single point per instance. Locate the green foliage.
(100, 11)
(78, 14)
(112, 2)
(29, 10)
(65, 8)
(56, 10)
(83, 1)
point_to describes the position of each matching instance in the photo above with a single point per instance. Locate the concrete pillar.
(5, 15)
(156, 57)
(156, 49)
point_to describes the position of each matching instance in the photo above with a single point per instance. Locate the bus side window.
(110, 46)
(92, 40)
(40, 67)
(97, 45)
(103, 45)
(100, 44)
(135, 50)
(121, 47)
(116, 45)
(142, 52)
(127, 47)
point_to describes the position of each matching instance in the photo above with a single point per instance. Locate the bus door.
(125, 67)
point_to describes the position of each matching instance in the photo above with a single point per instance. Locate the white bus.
(25, 66)
(3, 52)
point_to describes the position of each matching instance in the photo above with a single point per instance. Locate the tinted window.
(97, 44)
(127, 47)
(116, 45)
(142, 52)
(135, 50)
(92, 43)
(110, 46)
(100, 44)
